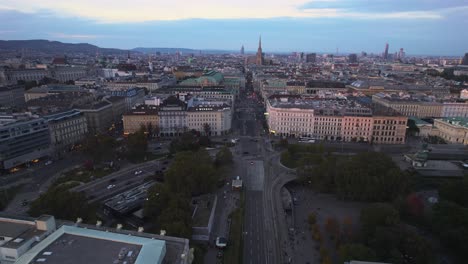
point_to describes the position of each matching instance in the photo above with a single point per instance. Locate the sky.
(421, 27)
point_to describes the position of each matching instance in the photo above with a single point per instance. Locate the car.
(251, 163)
(48, 162)
(219, 254)
(246, 153)
(24, 203)
(221, 242)
(110, 186)
(165, 162)
(138, 172)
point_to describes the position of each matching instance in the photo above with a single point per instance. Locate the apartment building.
(333, 120)
(66, 128)
(22, 139)
(141, 116)
(217, 115)
(409, 107)
(455, 109)
(12, 96)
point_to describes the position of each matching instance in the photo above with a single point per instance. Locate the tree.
(186, 142)
(370, 177)
(207, 129)
(376, 215)
(191, 173)
(332, 226)
(223, 157)
(359, 252)
(63, 204)
(455, 191)
(137, 145)
(99, 147)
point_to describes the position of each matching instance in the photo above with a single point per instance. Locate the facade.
(333, 120)
(211, 78)
(215, 93)
(172, 117)
(216, 114)
(12, 96)
(455, 109)
(59, 73)
(389, 129)
(408, 107)
(452, 130)
(119, 107)
(22, 141)
(66, 129)
(98, 116)
(141, 116)
(311, 58)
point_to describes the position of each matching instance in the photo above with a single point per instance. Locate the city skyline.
(420, 27)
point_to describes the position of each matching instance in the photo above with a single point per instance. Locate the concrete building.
(215, 92)
(22, 140)
(141, 116)
(12, 96)
(119, 107)
(52, 89)
(66, 129)
(453, 130)
(60, 73)
(45, 240)
(455, 109)
(99, 116)
(133, 96)
(19, 235)
(389, 129)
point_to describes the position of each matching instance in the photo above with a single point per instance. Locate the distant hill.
(183, 50)
(53, 47)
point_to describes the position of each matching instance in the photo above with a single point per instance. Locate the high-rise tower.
(242, 50)
(385, 55)
(259, 59)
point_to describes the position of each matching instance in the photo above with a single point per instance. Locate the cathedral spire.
(260, 42)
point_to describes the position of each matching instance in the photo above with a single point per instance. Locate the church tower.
(259, 59)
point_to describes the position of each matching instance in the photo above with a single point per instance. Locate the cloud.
(74, 36)
(119, 11)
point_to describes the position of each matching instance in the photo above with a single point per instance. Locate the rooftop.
(457, 121)
(72, 244)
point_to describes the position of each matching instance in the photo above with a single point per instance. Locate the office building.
(99, 116)
(352, 58)
(311, 58)
(22, 139)
(385, 55)
(132, 96)
(172, 117)
(464, 61)
(66, 129)
(12, 96)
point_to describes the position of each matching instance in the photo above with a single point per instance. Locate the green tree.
(63, 204)
(455, 191)
(186, 142)
(348, 252)
(137, 145)
(192, 173)
(378, 215)
(370, 177)
(223, 157)
(99, 147)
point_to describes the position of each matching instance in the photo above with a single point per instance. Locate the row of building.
(334, 120)
(174, 116)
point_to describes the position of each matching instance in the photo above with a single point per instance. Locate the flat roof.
(76, 245)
